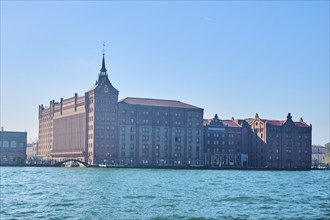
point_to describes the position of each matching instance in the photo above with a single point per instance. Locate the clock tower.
(102, 101)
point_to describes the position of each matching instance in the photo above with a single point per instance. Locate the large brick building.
(98, 129)
(258, 143)
(279, 143)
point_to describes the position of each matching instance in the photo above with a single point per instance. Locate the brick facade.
(98, 129)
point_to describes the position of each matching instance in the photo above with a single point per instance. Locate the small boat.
(93, 165)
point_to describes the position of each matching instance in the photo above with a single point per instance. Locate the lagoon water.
(101, 193)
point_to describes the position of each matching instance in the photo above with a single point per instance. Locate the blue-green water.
(96, 193)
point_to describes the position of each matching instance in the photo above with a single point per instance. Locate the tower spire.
(103, 70)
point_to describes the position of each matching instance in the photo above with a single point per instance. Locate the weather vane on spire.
(103, 50)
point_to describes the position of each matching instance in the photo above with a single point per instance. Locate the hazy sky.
(231, 58)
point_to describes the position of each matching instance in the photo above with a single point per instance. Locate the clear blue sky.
(231, 58)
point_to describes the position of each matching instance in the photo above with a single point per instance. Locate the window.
(13, 144)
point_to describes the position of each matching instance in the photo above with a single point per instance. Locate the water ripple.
(61, 193)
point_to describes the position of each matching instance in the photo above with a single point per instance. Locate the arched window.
(5, 144)
(13, 144)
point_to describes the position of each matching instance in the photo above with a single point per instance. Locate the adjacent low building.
(225, 143)
(32, 156)
(12, 147)
(318, 156)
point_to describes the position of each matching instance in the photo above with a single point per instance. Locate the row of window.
(217, 135)
(12, 144)
(158, 147)
(223, 142)
(105, 101)
(288, 136)
(146, 113)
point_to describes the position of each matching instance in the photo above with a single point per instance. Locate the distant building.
(12, 147)
(98, 129)
(32, 153)
(327, 154)
(225, 143)
(279, 143)
(318, 156)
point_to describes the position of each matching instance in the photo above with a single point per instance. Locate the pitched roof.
(250, 120)
(156, 102)
(279, 122)
(206, 121)
(274, 122)
(230, 123)
(301, 124)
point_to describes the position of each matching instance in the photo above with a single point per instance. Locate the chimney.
(75, 101)
(61, 106)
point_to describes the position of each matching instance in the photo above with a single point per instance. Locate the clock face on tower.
(106, 89)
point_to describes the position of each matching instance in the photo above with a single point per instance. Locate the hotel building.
(98, 129)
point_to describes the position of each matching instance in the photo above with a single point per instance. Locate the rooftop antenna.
(103, 50)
